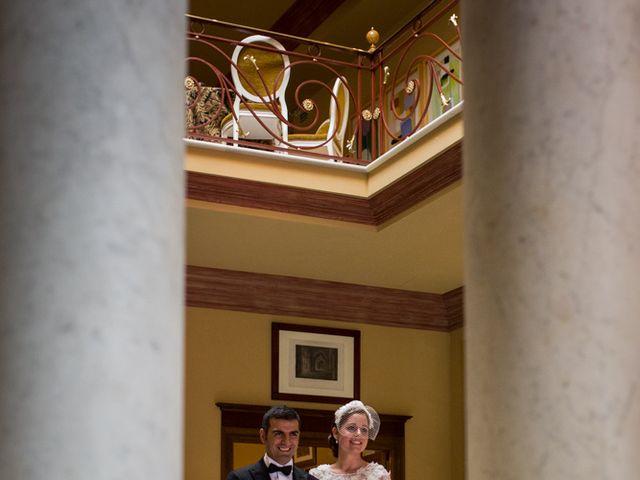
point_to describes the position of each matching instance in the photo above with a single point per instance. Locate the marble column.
(91, 240)
(552, 209)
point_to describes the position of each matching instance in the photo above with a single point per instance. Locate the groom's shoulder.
(246, 472)
(300, 473)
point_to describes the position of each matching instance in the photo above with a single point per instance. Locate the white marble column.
(552, 184)
(91, 267)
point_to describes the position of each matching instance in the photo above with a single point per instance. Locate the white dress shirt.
(278, 475)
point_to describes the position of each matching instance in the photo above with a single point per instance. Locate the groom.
(280, 434)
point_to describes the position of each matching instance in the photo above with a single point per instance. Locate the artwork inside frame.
(402, 101)
(314, 364)
(451, 89)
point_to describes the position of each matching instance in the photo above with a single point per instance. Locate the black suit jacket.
(258, 471)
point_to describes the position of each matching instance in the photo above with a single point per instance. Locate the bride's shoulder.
(321, 471)
(377, 471)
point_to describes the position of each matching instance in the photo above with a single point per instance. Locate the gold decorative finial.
(454, 20)
(372, 37)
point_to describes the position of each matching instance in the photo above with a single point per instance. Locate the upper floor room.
(344, 97)
(263, 80)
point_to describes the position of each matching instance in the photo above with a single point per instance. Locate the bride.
(355, 424)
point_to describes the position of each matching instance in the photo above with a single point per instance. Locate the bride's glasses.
(353, 428)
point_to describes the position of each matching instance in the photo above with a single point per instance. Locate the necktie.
(275, 468)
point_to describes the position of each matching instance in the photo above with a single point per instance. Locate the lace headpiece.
(356, 406)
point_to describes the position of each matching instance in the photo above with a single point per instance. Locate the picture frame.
(314, 364)
(451, 89)
(305, 457)
(403, 101)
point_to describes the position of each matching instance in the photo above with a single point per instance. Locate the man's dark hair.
(281, 412)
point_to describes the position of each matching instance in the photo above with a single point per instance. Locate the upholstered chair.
(329, 137)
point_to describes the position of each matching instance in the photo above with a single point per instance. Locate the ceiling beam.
(303, 17)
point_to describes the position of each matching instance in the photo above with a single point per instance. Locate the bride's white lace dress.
(371, 471)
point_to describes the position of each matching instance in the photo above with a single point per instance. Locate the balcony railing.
(257, 89)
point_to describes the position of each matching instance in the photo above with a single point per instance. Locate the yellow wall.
(246, 453)
(404, 372)
(457, 405)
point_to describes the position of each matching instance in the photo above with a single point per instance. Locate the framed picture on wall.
(451, 89)
(314, 364)
(305, 457)
(401, 119)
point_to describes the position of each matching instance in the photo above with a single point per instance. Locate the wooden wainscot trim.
(302, 297)
(422, 183)
(454, 304)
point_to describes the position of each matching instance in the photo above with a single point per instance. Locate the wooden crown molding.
(422, 183)
(454, 305)
(413, 188)
(279, 198)
(303, 297)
